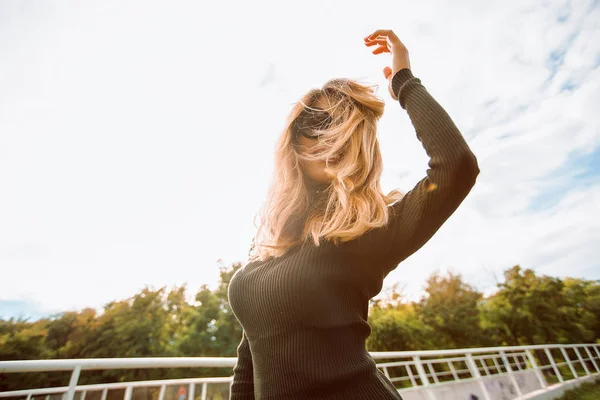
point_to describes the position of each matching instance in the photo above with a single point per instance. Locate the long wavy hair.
(297, 209)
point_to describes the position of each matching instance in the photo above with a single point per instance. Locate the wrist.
(399, 79)
(400, 58)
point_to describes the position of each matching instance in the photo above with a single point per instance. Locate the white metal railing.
(408, 370)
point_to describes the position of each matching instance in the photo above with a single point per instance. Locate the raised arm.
(452, 172)
(242, 387)
(452, 169)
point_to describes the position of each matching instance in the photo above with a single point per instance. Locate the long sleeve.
(242, 387)
(452, 172)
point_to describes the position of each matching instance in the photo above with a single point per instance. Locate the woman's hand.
(388, 42)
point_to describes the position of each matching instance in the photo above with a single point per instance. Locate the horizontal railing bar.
(507, 349)
(116, 363)
(396, 364)
(432, 361)
(229, 362)
(115, 386)
(443, 361)
(399, 378)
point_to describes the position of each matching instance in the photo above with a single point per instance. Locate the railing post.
(73, 382)
(585, 368)
(423, 376)
(475, 373)
(432, 372)
(386, 372)
(595, 347)
(591, 358)
(411, 376)
(421, 371)
(484, 365)
(454, 374)
(511, 374)
(104, 393)
(536, 370)
(522, 365)
(569, 363)
(161, 394)
(554, 366)
(128, 391)
(498, 369)
(516, 359)
(204, 390)
(191, 393)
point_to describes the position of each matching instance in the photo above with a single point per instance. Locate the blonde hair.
(353, 202)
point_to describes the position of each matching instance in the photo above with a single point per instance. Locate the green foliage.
(398, 328)
(450, 310)
(539, 309)
(20, 340)
(526, 309)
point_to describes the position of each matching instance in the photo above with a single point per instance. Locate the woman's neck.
(314, 187)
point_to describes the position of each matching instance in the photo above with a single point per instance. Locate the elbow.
(466, 170)
(471, 165)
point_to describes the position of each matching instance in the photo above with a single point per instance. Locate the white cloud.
(136, 138)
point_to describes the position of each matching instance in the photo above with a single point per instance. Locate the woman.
(329, 236)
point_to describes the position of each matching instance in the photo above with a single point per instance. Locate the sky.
(137, 137)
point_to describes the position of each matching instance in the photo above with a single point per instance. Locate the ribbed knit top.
(304, 314)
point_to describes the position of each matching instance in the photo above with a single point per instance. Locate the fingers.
(372, 42)
(381, 49)
(383, 35)
(381, 32)
(381, 43)
(387, 72)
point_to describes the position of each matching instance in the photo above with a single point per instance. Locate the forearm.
(242, 387)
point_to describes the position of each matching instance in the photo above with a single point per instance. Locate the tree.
(211, 327)
(23, 340)
(583, 310)
(70, 333)
(592, 305)
(531, 309)
(398, 328)
(450, 309)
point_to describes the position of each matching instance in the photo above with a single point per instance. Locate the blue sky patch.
(20, 309)
(588, 167)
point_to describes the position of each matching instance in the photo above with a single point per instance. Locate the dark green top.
(304, 314)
